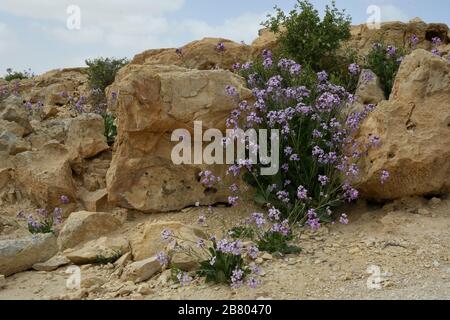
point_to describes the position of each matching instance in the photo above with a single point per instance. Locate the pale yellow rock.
(200, 54)
(45, 175)
(414, 127)
(98, 251)
(84, 226)
(153, 101)
(86, 135)
(149, 242)
(21, 254)
(141, 270)
(94, 201)
(51, 264)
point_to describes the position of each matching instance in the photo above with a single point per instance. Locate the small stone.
(89, 282)
(144, 289)
(51, 264)
(434, 202)
(436, 264)
(259, 260)
(122, 261)
(266, 256)
(424, 212)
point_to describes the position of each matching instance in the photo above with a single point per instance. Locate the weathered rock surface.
(51, 264)
(148, 243)
(414, 127)
(99, 250)
(83, 226)
(12, 110)
(21, 254)
(48, 87)
(85, 136)
(141, 270)
(45, 175)
(398, 34)
(12, 144)
(94, 201)
(369, 88)
(154, 101)
(200, 54)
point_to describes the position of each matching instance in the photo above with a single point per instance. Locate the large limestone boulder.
(45, 175)
(21, 254)
(84, 226)
(148, 242)
(85, 136)
(200, 54)
(153, 101)
(414, 127)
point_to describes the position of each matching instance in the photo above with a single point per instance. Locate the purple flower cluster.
(208, 179)
(354, 69)
(42, 221)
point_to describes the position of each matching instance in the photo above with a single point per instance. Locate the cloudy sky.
(34, 33)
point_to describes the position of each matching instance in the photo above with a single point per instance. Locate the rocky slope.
(119, 198)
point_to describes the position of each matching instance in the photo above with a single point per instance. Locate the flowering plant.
(384, 61)
(225, 260)
(318, 154)
(43, 221)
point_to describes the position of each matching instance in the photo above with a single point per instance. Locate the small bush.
(385, 61)
(308, 39)
(17, 75)
(101, 74)
(102, 71)
(110, 128)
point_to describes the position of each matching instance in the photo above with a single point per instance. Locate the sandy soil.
(403, 247)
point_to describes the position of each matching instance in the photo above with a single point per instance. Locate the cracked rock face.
(414, 127)
(153, 101)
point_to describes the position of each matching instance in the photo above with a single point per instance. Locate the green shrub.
(308, 39)
(101, 74)
(17, 75)
(385, 61)
(110, 127)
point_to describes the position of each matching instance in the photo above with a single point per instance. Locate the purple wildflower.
(302, 193)
(354, 69)
(253, 283)
(253, 252)
(343, 219)
(163, 259)
(384, 176)
(184, 278)
(166, 234)
(64, 199)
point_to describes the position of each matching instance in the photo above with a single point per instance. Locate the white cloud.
(91, 10)
(8, 42)
(392, 13)
(109, 28)
(242, 28)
